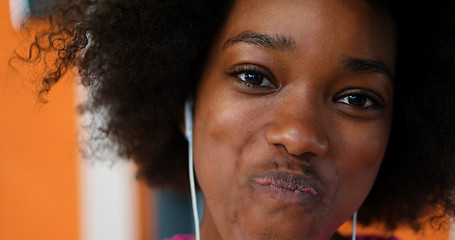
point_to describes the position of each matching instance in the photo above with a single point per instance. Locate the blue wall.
(175, 215)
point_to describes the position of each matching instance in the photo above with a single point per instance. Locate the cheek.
(226, 123)
(218, 141)
(367, 145)
(363, 147)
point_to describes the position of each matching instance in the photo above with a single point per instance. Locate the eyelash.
(239, 70)
(372, 100)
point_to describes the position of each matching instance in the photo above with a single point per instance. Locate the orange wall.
(402, 233)
(38, 177)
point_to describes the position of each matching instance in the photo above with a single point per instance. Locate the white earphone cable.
(189, 136)
(354, 225)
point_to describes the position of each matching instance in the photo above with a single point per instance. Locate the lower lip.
(285, 195)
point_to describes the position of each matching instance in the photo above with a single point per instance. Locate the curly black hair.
(142, 59)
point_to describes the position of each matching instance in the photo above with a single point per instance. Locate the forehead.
(343, 27)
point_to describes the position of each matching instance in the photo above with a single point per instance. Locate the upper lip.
(288, 180)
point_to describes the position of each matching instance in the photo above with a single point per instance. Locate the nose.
(298, 131)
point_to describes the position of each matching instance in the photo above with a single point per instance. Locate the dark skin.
(292, 117)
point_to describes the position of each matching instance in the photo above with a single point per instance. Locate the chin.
(283, 230)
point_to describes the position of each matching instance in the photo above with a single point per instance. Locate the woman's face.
(292, 117)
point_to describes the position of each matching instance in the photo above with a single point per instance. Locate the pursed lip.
(286, 187)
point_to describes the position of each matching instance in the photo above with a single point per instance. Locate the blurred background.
(48, 191)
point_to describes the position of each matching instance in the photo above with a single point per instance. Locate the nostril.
(283, 149)
(305, 156)
(302, 156)
(298, 137)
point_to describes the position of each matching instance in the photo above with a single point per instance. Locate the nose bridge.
(298, 125)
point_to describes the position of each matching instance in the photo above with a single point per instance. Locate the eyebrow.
(359, 65)
(277, 42)
(287, 43)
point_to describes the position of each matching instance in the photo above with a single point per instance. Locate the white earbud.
(189, 138)
(189, 120)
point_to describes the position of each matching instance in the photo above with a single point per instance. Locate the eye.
(359, 98)
(255, 79)
(253, 76)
